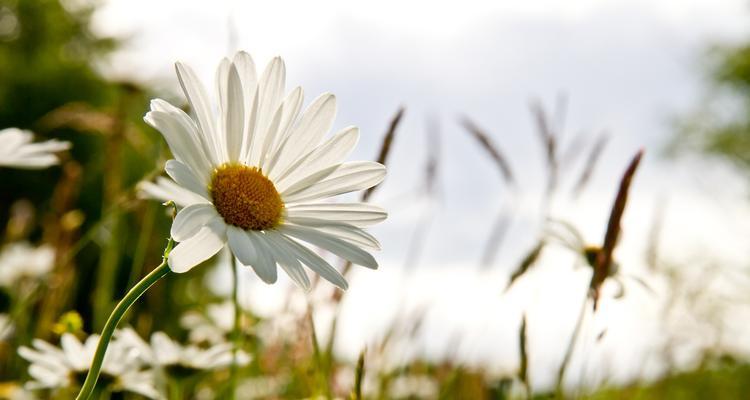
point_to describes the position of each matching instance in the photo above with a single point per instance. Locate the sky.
(628, 68)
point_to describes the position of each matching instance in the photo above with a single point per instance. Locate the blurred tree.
(47, 54)
(51, 83)
(721, 126)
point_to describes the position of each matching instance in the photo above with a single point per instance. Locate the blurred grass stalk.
(523, 353)
(359, 375)
(62, 237)
(236, 334)
(107, 272)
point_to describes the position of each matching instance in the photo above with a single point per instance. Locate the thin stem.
(322, 366)
(175, 389)
(141, 248)
(359, 376)
(235, 328)
(571, 346)
(109, 327)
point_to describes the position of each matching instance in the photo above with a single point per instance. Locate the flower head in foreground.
(165, 189)
(17, 150)
(65, 367)
(261, 172)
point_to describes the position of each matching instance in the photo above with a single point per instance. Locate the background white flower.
(260, 175)
(413, 387)
(211, 326)
(21, 260)
(65, 366)
(17, 150)
(167, 354)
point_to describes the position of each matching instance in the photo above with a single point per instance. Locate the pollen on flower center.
(245, 198)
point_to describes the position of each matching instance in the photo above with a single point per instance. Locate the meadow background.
(509, 126)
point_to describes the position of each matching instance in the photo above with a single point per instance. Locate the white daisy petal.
(246, 68)
(348, 177)
(166, 351)
(185, 178)
(46, 378)
(292, 105)
(35, 162)
(271, 133)
(331, 243)
(13, 138)
(265, 267)
(37, 149)
(235, 117)
(143, 387)
(355, 214)
(181, 135)
(289, 109)
(18, 151)
(198, 99)
(308, 181)
(343, 231)
(41, 359)
(332, 152)
(251, 128)
(317, 264)
(242, 246)
(49, 350)
(282, 253)
(165, 189)
(314, 123)
(270, 89)
(200, 247)
(350, 234)
(191, 219)
(222, 85)
(74, 351)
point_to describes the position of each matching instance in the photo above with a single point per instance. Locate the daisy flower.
(211, 326)
(17, 150)
(164, 189)
(64, 367)
(178, 360)
(260, 171)
(262, 387)
(413, 387)
(20, 261)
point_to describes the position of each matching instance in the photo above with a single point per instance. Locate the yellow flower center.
(245, 198)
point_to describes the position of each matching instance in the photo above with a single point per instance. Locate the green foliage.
(721, 125)
(725, 380)
(50, 83)
(47, 58)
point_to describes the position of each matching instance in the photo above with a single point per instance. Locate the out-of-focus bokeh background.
(518, 120)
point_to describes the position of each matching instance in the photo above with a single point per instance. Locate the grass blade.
(492, 149)
(604, 259)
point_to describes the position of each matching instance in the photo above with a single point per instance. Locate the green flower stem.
(235, 328)
(175, 389)
(109, 328)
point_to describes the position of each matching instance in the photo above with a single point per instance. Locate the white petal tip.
(269, 280)
(176, 267)
(371, 265)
